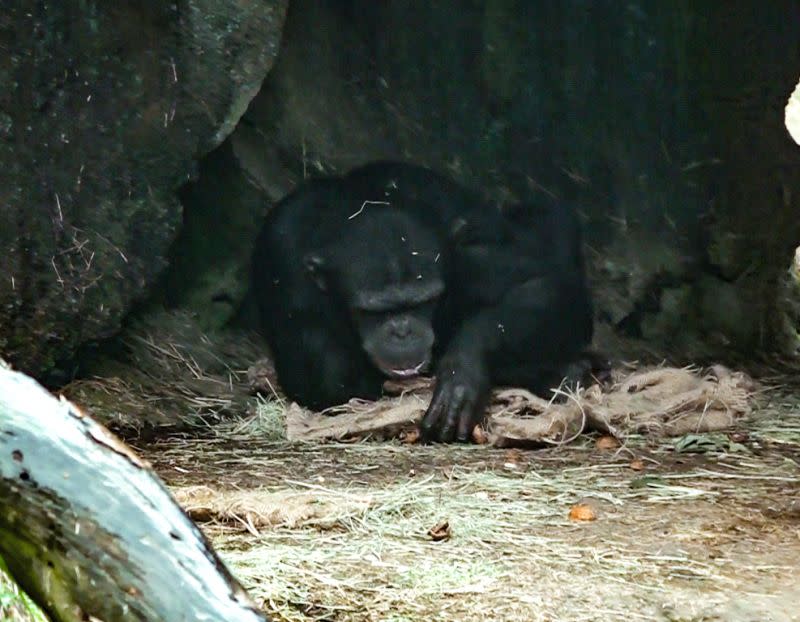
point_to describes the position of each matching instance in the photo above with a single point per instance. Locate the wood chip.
(440, 531)
(637, 464)
(480, 436)
(605, 443)
(582, 512)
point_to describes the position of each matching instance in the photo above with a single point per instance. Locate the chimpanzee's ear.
(314, 263)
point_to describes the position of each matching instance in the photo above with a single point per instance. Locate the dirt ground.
(690, 529)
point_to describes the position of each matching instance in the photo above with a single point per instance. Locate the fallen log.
(89, 531)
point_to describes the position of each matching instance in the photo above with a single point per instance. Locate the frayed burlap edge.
(664, 401)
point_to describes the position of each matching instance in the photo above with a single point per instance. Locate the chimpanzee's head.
(386, 271)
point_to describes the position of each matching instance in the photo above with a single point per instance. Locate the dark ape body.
(355, 275)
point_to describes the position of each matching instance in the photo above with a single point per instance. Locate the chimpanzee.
(392, 270)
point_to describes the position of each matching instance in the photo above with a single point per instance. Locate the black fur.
(355, 275)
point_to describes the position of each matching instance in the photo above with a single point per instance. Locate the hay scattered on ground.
(661, 401)
(170, 373)
(256, 509)
(696, 528)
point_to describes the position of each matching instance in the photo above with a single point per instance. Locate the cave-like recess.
(661, 122)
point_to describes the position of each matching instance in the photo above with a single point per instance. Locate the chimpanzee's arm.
(319, 371)
(539, 323)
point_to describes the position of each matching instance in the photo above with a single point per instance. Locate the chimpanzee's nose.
(401, 328)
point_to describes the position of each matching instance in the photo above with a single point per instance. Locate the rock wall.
(105, 108)
(662, 122)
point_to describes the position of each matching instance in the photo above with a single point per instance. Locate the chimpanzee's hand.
(459, 399)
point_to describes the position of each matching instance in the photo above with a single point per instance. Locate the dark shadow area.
(661, 123)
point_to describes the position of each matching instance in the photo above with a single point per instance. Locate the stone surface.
(105, 108)
(664, 125)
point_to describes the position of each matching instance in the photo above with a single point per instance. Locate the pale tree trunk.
(89, 531)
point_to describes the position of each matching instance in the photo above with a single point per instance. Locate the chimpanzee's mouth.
(407, 372)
